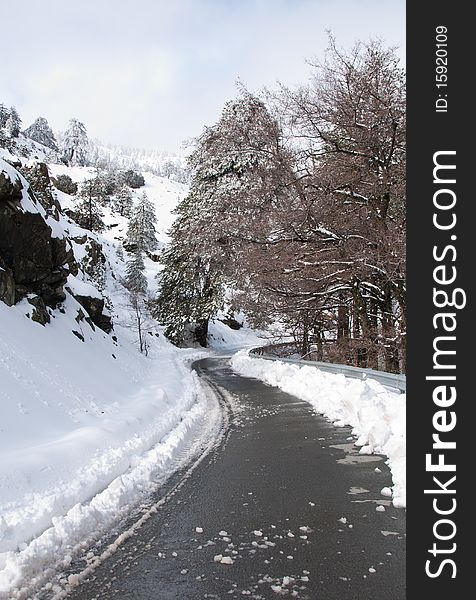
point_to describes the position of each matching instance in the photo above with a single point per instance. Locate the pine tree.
(120, 253)
(13, 124)
(132, 178)
(75, 145)
(141, 230)
(4, 114)
(190, 293)
(88, 211)
(191, 284)
(123, 202)
(233, 182)
(136, 284)
(41, 132)
(65, 184)
(135, 278)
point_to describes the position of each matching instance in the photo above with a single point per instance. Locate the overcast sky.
(151, 73)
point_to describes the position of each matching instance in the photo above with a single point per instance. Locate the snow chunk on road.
(223, 560)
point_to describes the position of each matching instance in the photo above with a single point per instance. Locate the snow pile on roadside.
(376, 414)
(222, 338)
(86, 428)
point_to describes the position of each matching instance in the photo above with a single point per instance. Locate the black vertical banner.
(441, 247)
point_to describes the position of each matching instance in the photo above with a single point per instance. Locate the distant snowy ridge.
(159, 162)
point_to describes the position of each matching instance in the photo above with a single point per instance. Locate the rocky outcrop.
(32, 260)
(40, 312)
(7, 284)
(39, 179)
(34, 264)
(95, 309)
(39, 263)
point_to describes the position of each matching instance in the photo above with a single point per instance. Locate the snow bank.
(222, 338)
(85, 429)
(376, 414)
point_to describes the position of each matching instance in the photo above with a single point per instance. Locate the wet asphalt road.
(280, 468)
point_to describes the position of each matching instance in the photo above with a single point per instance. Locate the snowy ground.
(86, 428)
(93, 440)
(376, 414)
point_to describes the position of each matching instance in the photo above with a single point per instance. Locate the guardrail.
(389, 380)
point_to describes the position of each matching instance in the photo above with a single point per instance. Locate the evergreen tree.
(135, 278)
(132, 178)
(123, 202)
(75, 145)
(13, 123)
(65, 184)
(141, 230)
(41, 132)
(4, 114)
(191, 284)
(88, 211)
(120, 253)
(191, 291)
(234, 164)
(136, 284)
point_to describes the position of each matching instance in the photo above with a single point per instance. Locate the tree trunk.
(342, 320)
(399, 294)
(392, 363)
(367, 354)
(201, 333)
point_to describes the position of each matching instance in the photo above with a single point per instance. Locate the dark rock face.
(94, 307)
(37, 262)
(40, 312)
(33, 256)
(35, 265)
(7, 284)
(39, 179)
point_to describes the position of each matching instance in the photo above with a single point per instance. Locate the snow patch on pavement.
(376, 414)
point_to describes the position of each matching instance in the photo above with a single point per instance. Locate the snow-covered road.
(284, 505)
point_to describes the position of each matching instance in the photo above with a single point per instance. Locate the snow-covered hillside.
(158, 162)
(84, 413)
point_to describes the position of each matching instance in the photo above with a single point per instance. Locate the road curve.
(297, 503)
